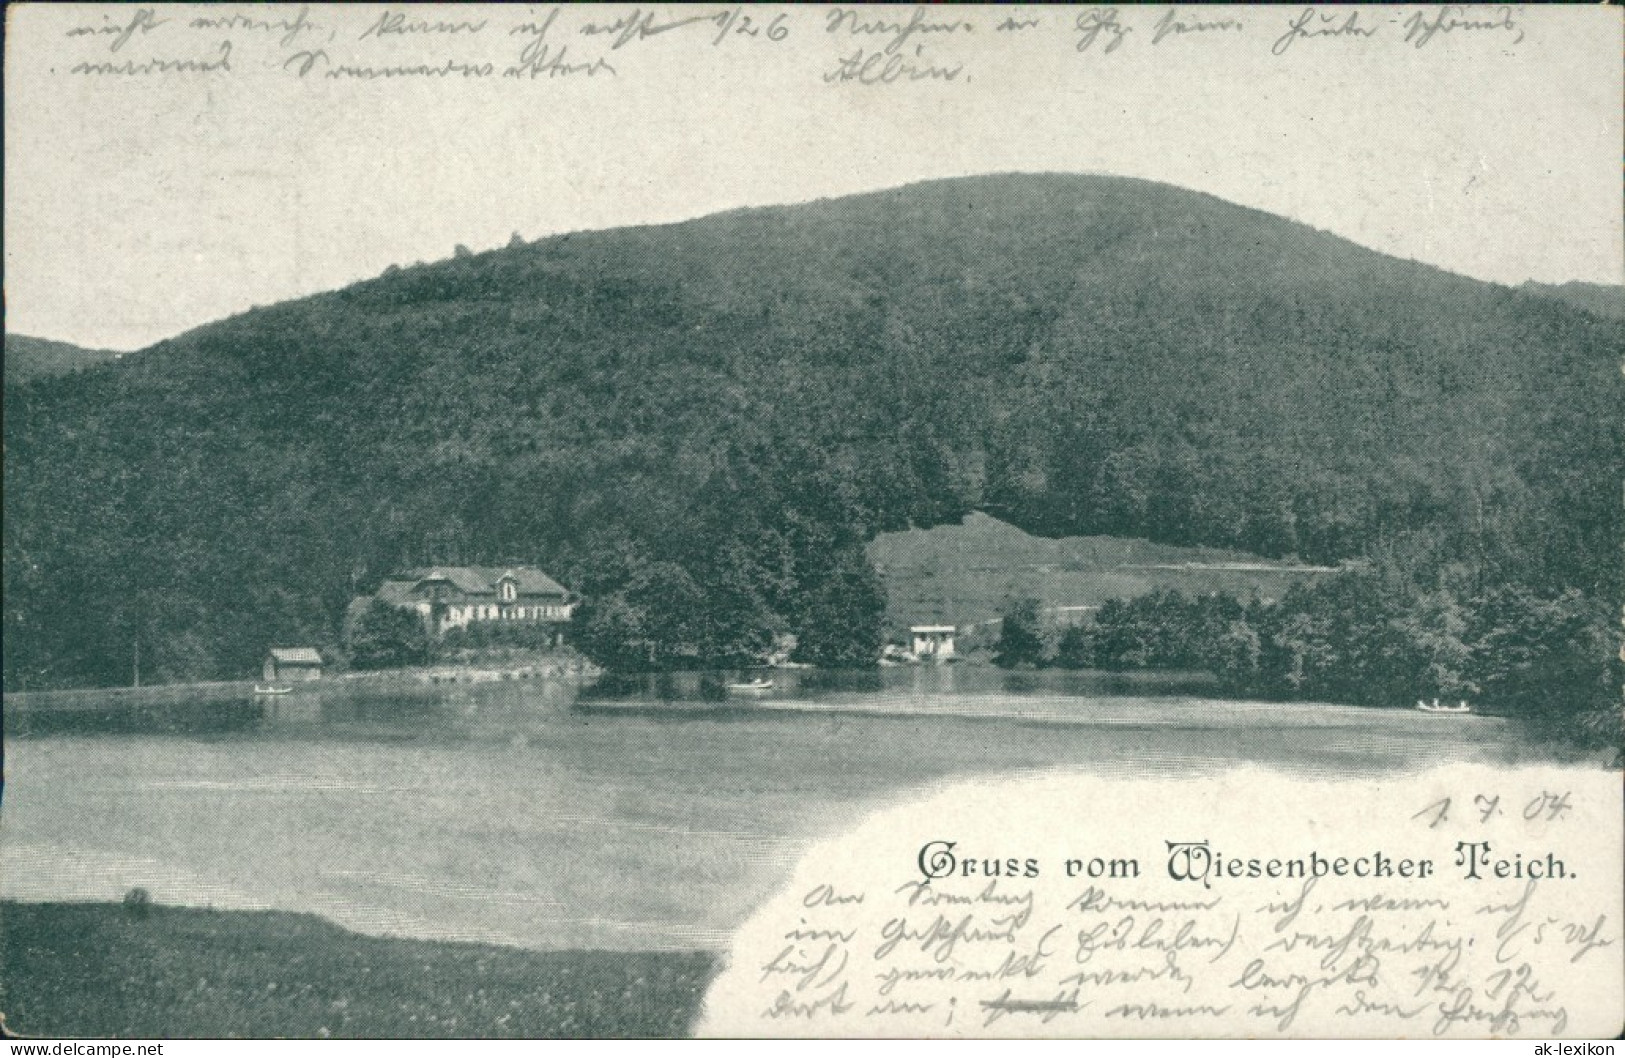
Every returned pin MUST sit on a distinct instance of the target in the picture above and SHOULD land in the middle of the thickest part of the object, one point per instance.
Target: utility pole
(138, 660)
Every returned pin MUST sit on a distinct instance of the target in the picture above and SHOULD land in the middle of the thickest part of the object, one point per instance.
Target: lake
(650, 813)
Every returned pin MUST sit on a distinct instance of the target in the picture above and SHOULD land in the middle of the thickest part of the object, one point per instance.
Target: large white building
(451, 597)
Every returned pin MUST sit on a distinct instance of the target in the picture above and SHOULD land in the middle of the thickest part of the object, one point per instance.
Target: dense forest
(697, 426)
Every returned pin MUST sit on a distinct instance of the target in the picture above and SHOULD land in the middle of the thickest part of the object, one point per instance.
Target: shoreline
(205, 691)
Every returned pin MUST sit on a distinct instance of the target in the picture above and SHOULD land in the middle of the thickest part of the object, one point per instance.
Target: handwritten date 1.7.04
(1547, 805)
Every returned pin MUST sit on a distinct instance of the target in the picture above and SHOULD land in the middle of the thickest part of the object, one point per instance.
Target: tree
(1543, 656)
(844, 623)
(614, 632)
(1020, 642)
(1076, 649)
(1234, 658)
(387, 637)
(663, 618)
(1124, 635)
(1435, 628)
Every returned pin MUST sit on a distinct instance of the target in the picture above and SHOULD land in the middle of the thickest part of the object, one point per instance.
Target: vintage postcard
(942, 521)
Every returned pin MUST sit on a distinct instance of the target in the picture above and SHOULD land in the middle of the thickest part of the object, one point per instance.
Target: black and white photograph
(883, 521)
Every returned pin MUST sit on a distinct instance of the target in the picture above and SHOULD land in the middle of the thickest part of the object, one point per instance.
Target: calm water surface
(631, 814)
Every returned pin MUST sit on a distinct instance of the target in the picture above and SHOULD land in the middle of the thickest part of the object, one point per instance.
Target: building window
(507, 591)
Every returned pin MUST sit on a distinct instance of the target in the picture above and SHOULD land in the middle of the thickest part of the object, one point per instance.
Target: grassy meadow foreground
(102, 970)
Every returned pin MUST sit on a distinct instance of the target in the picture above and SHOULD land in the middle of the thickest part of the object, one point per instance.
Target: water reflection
(525, 712)
(854, 680)
(290, 712)
(335, 708)
(190, 718)
(823, 684)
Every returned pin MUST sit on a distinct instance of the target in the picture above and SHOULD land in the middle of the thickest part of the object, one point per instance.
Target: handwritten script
(837, 47)
(1509, 927)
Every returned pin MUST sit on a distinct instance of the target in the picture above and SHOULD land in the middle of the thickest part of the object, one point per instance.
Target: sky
(161, 174)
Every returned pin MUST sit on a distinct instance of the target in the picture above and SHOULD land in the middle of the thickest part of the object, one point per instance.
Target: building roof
(397, 592)
(296, 655)
(474, 580)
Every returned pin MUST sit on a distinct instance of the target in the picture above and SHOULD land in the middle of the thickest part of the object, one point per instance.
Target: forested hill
(697, 425)
(1599, 298)
(28, 358)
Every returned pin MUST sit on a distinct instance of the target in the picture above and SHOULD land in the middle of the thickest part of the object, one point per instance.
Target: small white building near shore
(932, 642)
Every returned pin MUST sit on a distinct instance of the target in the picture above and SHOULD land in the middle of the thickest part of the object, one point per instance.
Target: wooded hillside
(698, 426)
